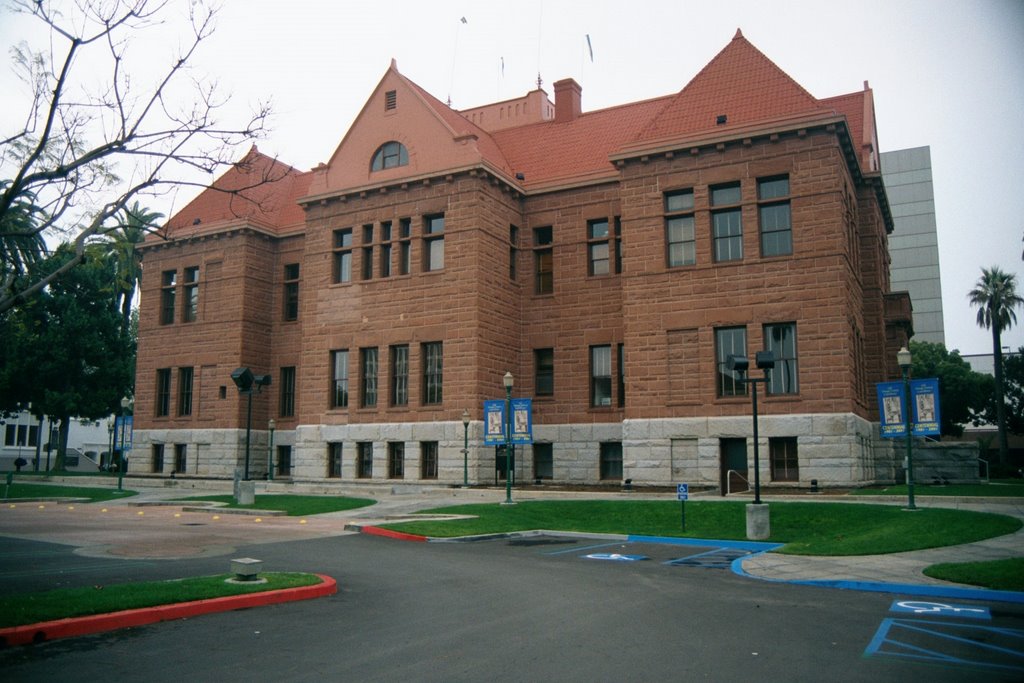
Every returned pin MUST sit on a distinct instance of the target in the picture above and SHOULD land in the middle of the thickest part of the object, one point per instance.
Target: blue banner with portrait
(924, 395)
(890, 408)
(924, 408)
(495, 422)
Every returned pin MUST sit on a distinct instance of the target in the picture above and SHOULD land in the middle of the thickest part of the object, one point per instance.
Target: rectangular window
(618, 245)
(367, 252)
(185, 391)
(364, 460)
(33, 435)
(727, 222)
(611, 460)
(433, 375)
(396, 460)
(291, 292)
(399, 371)
(368, 377)
(284, 461)
(334, 460)
(158, 458)
(343, 255)
(598, 251)
(544, 372)
(190, 313)
(773, 213)
(543, 463)
(180, 457)
(168, 288)
(433, 243)
(780, 339)
(600, 376)
(621, 374)
(286, 404)
(513, 251)
(163, 392)
(385, 249)
(339, 379)
(784, 462)
(404, 246)
(428, 460)
(680, 238)
(543, 260)
(10, 434)
(729, 341)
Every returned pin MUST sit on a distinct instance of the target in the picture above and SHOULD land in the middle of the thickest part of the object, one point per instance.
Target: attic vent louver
(721, 119)
(390, 100)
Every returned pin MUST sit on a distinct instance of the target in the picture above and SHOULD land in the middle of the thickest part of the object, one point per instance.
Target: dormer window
(390, 155)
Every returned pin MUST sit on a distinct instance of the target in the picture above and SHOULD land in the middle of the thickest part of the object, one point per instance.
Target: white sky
(947, 74)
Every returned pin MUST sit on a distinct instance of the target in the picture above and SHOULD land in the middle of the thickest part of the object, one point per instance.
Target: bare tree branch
(83, 155)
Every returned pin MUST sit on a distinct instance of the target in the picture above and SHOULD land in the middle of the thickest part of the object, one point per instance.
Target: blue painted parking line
(966, 645)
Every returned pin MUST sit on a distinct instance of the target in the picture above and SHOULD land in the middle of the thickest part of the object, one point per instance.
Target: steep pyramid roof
(742, 85)
(256, 189)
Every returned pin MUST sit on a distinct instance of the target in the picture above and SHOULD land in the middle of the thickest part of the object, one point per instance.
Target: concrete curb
(98, 623)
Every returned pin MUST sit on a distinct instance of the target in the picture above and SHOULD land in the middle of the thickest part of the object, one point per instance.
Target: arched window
(389, 155)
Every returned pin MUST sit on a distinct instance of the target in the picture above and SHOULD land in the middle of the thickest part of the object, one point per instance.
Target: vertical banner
(925, 398)
(924, 408)
(494, 423)
(890, 409)
(522, 420)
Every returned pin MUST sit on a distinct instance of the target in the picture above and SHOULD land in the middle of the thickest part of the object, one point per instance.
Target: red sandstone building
(611, 260)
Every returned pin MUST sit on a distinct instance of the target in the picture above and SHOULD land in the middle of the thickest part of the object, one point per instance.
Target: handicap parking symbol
(940, 609)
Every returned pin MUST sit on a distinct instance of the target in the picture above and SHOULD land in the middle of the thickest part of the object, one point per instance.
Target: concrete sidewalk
(396, 502)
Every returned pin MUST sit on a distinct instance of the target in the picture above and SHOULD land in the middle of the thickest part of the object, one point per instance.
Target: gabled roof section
(437, 139)
(257, 190)
(742, 85)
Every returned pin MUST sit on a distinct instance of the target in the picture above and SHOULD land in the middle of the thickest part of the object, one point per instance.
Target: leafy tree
(64, 351)
(1013, 393)
(95, 133)
(962, 392)
(995, 295)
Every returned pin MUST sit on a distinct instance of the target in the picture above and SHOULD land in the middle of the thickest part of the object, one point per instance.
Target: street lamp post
(465, 448)
(122, 462)
(903, 358)
(270, 451)
(110, 448)
(758, 521)
(507, 381)
(248, 383)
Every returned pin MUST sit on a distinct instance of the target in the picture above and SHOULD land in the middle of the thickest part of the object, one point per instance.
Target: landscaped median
(14, 608)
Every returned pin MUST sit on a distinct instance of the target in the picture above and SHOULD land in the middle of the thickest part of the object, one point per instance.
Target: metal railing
(728, 481)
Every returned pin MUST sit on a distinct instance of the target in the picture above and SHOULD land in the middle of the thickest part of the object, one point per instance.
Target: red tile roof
(257, 189)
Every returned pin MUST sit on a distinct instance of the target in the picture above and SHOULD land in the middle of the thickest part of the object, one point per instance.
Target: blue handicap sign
(683, 491)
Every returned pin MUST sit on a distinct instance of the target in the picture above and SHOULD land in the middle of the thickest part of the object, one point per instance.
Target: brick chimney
(567, 100)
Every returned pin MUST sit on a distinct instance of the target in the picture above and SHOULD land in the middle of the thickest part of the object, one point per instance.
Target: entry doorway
(733, 471)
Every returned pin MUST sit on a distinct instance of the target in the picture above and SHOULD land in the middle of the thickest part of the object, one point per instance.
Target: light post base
(508, 502)
(759, 526)
(246, 492)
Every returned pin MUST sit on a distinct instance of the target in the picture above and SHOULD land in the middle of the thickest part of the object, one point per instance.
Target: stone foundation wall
(833, 450)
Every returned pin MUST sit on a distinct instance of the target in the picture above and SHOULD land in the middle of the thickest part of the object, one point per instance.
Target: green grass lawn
(804, 528)
(293, 505)
(1007, 575)
(997, 488)
(94, 495)
(63, 603)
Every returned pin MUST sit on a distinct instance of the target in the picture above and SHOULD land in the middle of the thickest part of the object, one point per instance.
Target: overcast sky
(946, 74)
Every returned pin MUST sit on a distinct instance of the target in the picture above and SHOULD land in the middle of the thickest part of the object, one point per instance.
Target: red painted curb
(388, 533)
(97, 623)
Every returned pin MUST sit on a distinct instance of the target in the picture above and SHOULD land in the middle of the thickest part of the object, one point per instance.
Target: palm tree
(996, 296)
(135, 223)
(21, 241)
